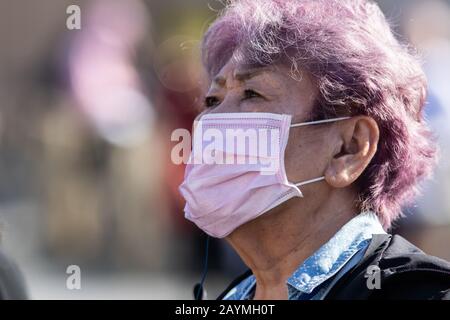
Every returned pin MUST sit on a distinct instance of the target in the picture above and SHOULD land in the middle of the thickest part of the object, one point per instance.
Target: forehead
(243, 75)
(279, 75)
(244, 71)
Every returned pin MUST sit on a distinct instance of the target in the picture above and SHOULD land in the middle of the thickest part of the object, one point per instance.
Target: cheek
(305, 157)
(257, 106)
(261, 105)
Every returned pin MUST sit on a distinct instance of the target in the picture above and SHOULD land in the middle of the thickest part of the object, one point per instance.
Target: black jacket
(405, 272)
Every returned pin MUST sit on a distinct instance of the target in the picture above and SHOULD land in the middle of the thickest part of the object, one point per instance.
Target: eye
(211, 101)
(250, 94)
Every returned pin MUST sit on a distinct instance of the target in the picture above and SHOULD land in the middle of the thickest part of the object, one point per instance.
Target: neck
(276, 244)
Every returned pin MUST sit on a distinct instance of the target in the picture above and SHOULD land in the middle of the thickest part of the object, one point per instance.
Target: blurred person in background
(12, 283)
(81, 161)
(347, 99)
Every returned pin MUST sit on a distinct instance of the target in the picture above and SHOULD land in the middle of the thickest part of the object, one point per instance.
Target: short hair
(361, 68)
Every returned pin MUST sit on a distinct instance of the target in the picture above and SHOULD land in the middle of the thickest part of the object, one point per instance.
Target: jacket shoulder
(404, 271)
(410, 273)
(401, 255)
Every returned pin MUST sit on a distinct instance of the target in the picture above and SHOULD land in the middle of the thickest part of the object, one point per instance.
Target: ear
(358, 139)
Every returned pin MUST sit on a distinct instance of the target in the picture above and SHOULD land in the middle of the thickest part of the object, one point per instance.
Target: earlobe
(360, 137)
(336, 174)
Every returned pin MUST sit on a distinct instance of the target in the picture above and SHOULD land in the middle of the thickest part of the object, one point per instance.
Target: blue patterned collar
(325, 262)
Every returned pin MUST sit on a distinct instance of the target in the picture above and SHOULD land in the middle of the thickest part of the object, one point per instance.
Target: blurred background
(86, 118)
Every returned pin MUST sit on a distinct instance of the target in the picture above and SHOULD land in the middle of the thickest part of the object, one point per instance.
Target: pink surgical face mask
(236, 169)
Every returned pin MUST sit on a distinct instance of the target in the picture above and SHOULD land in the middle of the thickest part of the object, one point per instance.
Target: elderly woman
(341, 102)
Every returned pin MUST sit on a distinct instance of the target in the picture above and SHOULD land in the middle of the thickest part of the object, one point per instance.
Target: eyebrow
(242, 75)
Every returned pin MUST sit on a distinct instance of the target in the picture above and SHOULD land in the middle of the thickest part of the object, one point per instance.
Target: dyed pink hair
(361, 69)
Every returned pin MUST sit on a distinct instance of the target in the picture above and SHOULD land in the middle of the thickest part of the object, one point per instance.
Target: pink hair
(361, 69)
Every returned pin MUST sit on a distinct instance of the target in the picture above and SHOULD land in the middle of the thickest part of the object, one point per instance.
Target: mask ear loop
(309, 181)
(318, 122)
(312, 123)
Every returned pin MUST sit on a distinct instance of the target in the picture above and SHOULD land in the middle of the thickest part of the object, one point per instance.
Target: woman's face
(239, 88)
